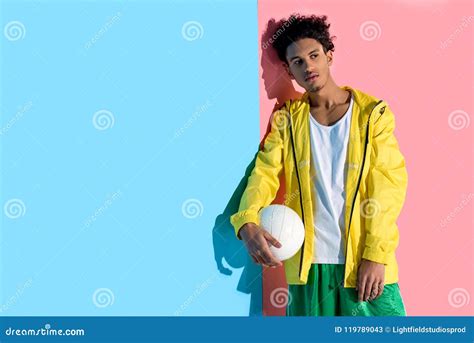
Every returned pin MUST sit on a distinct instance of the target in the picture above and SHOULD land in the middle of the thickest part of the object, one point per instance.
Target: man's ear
(288, 71)
(329, 57)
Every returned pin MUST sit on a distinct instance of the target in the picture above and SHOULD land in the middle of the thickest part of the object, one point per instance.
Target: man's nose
(309, 70)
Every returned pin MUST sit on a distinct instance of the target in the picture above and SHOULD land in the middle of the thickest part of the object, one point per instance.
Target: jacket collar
(361, 99)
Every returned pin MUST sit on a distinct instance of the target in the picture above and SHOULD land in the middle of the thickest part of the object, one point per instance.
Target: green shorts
(325, 295)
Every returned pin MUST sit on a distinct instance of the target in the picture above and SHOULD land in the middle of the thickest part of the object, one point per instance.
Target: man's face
(308, 64)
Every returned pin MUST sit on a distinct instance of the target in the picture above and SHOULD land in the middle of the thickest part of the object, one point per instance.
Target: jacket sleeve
(386, 187)
(263, 182)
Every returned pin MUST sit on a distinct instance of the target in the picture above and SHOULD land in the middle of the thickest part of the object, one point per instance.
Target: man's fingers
(260, 259)
(362, 289)
(269, 258)
(368, 289)
(374, 291)
(266, 253)
(272, 240)
(379, 290)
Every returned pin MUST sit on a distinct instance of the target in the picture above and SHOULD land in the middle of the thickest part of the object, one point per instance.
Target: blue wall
(126, 132)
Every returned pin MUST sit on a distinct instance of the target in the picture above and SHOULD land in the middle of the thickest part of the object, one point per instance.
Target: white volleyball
(286, 226)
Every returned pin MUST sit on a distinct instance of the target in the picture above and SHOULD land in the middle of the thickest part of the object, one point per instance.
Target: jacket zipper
(299, 188)
(358, 185)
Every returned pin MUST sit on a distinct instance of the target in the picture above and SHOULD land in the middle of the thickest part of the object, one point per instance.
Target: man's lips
(311, 77)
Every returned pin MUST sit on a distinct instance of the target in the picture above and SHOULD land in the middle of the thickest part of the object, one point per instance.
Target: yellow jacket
(375, 187)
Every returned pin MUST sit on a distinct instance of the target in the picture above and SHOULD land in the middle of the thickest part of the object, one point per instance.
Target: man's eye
(298, 62)
(314, 56)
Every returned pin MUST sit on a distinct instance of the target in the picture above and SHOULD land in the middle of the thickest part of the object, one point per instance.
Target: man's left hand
(370, 280)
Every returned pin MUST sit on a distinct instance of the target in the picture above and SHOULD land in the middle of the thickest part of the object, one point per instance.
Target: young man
(344, 175)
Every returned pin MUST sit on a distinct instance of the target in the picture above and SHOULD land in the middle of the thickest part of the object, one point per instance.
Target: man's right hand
(257, 241)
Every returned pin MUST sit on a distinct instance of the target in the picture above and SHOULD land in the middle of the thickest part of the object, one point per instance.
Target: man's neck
(326, 97)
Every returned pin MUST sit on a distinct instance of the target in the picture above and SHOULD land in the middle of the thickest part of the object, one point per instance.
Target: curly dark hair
(299, 26)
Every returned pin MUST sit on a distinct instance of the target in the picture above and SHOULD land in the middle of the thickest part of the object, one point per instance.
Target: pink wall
(416, 55)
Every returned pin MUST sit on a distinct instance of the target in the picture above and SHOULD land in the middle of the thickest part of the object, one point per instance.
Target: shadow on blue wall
(233, 251)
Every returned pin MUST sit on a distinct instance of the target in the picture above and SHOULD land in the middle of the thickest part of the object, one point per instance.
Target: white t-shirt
(328, 156)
